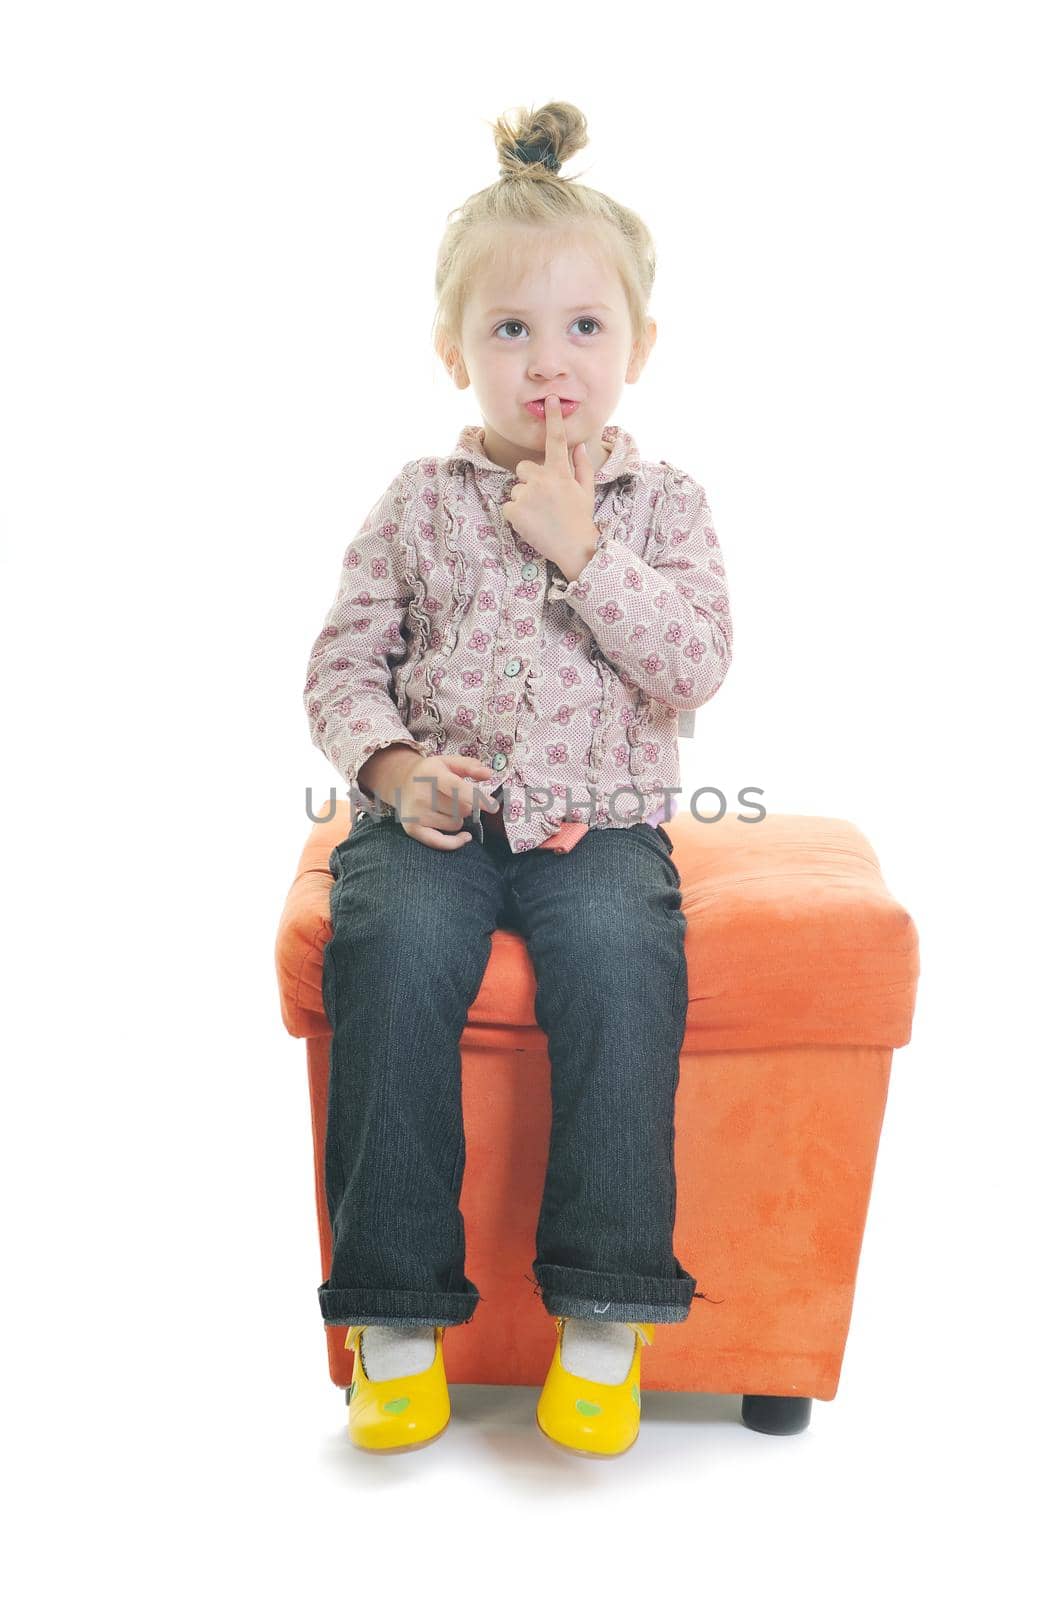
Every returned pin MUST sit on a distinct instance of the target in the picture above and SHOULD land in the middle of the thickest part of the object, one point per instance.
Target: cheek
(602, 364)
(497, 366)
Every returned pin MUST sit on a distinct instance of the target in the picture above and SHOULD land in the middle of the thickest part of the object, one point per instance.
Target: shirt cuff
(588, 578)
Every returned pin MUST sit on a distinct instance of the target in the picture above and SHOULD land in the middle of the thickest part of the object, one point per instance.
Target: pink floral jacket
(450, 632)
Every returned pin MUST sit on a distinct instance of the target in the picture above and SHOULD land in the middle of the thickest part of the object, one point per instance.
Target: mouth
(538, 407)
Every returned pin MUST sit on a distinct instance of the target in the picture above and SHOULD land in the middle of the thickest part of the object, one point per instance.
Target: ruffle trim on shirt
(416, 611)
(461, 596)
(634, 732)
(450, 490)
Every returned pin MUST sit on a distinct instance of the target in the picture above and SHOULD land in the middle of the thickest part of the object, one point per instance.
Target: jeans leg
(411, 939)
(606, 935)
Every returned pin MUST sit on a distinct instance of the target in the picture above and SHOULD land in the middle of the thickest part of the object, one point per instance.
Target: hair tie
(531, 152)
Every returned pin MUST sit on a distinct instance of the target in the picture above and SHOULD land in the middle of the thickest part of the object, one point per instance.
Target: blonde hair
(529, 211)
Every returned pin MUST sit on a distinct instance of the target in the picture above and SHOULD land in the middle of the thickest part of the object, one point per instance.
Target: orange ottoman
(802, 980)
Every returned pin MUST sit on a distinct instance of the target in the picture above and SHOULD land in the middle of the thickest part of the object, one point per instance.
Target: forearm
(650, 625)
(662, 618)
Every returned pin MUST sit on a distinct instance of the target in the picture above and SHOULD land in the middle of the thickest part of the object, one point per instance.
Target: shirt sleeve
(348, 692)
(665, 618)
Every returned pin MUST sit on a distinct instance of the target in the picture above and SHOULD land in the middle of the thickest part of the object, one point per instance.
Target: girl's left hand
(553, 504)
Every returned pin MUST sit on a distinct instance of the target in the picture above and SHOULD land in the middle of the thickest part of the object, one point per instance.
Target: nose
(546, 369)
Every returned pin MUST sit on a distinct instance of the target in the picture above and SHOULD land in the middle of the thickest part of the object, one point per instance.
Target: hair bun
(537, 142)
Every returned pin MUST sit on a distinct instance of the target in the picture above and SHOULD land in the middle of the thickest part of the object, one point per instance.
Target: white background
(220, 229)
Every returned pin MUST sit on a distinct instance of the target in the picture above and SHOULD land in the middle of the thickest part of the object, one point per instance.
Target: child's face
(560, 325)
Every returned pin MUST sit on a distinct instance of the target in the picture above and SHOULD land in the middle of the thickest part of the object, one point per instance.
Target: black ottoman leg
(776, 1413)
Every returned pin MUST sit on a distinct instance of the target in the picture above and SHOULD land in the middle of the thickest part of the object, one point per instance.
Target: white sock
(599, 1350)
(397, 1352)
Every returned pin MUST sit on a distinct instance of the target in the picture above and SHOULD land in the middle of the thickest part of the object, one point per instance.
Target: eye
(514, 323)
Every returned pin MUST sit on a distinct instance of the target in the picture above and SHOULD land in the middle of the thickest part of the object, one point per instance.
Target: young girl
(522, 629)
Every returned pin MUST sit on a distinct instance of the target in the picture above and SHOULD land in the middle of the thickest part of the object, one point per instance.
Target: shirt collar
(623, 459)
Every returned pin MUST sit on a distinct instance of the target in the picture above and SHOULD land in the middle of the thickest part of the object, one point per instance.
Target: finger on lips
(556, 432)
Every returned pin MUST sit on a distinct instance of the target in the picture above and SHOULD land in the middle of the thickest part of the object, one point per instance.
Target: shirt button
(498, 761)
(529, 570)
(512, 667)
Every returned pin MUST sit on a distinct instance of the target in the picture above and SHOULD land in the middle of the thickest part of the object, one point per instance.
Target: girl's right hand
(432, 811)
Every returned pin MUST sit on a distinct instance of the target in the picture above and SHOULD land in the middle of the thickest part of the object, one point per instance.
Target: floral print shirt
(451, 633)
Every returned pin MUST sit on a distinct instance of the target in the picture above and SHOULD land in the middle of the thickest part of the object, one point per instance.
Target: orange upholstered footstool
(802, 980)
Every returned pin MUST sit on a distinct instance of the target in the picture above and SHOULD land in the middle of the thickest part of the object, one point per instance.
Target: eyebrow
(498, 310)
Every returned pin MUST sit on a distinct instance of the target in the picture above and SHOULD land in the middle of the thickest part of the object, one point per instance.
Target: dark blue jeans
(411, 939)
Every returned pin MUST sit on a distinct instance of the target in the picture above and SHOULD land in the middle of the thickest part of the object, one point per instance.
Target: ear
(450, 355)
(640, 353)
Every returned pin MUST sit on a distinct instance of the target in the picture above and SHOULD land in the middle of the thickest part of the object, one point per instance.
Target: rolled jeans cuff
(614, 1297)
(395, 1308)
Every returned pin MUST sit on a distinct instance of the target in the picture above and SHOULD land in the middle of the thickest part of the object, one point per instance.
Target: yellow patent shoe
(396, 1413)
(591, 1418)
